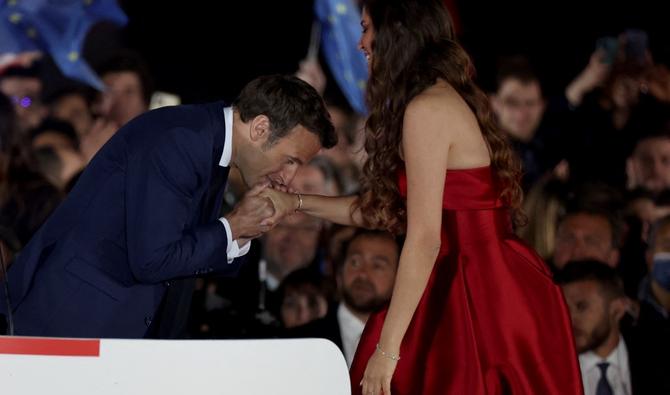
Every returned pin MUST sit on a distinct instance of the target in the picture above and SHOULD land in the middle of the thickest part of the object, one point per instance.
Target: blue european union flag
(340, 24)
(57, 27)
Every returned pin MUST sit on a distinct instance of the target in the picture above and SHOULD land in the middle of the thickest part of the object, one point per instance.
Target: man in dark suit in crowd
(143, 215)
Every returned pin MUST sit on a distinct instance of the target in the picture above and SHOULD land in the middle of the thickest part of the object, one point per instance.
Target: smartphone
(637, 42)
(610, 47)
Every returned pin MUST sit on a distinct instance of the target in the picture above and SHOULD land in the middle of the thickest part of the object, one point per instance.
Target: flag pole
(314, 41)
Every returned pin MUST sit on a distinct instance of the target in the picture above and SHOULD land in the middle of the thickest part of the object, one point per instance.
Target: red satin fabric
(491, 321)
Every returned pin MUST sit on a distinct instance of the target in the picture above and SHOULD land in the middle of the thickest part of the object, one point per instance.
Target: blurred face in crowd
(277, 161)
(339, 154)
(309, 180)
(74, 109)
(302, 305)
(519, 107)
(292, 244)
(123, 100)
(595, 316)
(25, 93)
(651, 163)
(585, 236)
(369, 273)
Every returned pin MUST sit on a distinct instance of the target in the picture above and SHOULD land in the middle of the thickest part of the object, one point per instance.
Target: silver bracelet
(386, 355)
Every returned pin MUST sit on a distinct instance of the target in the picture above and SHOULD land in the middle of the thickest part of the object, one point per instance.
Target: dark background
(206, 50)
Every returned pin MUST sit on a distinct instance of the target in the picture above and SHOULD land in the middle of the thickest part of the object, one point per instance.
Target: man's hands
(247, 220)
(261, 209)
(284, 203)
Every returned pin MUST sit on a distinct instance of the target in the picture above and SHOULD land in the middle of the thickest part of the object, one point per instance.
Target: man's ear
(259, 129)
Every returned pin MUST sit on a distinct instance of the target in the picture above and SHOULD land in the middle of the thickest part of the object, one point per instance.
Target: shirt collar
(348, 320)
(618, 358)
(228, 145)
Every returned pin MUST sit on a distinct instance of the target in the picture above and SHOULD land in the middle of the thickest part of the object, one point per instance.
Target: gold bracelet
(386, 355)
(299, 202)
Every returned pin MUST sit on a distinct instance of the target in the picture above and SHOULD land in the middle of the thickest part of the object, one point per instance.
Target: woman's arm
(334, 209)
(425, 147)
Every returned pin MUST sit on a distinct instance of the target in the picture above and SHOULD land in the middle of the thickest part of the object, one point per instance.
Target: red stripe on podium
(54, 347)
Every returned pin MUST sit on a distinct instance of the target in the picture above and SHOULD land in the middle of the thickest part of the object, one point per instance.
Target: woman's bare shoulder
(440, 103)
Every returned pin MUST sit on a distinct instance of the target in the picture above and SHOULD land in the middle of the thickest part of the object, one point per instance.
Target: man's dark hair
(307, 281)
(128, 61)
(84, 92)
(53, 125)
(34, 70)
(288, 102)
(616, 226)
(518, 68)
(592, 270)
(660, 129)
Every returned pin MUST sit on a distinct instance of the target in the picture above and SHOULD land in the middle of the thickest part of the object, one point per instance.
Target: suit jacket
(648, 341)
(140, 216)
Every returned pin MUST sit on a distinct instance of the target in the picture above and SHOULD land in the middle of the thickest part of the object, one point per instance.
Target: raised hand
(593, 76)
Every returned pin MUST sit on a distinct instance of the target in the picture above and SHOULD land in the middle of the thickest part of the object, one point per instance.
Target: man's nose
(288, 173)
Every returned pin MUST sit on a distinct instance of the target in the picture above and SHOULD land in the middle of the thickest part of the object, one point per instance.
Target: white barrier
(199, 367)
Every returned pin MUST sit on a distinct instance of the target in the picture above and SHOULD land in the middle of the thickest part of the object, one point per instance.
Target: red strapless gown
(490, 321)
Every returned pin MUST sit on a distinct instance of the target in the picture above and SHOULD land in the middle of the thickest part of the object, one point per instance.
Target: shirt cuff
(233, 249)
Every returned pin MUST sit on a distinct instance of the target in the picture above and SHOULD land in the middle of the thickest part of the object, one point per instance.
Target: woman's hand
(378, 374)
(284, 204)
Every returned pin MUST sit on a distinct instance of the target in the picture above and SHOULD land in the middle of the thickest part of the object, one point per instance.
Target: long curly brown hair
(414, 46)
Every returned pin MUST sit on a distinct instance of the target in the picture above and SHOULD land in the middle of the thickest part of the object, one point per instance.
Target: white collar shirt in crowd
(618, 372)
(351, 329)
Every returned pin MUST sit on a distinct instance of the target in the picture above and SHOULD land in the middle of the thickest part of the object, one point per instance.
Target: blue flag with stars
(341, 30)
(56, 27)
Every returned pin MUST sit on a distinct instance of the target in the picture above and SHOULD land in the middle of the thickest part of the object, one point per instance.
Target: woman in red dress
(474, 310)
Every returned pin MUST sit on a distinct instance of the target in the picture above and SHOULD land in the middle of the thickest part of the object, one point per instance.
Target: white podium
(202, 367)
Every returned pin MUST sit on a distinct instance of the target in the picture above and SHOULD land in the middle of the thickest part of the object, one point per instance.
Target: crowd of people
(596, 179)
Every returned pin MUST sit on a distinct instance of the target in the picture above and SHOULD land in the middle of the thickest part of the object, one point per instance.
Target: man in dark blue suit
(144, 213)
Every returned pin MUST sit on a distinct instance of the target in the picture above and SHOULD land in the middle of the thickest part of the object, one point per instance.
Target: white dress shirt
(618, 372)
(233, 250)
(351, 329)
